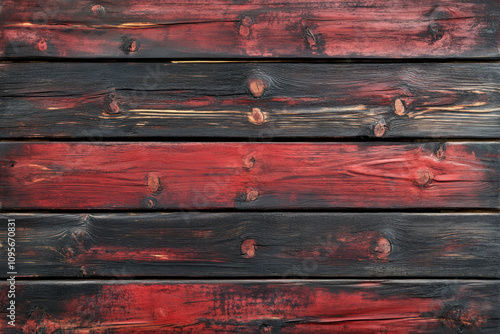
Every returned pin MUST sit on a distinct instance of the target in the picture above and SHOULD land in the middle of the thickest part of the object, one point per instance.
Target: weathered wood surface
(215, 29)
(248, 175)
(94, 101)
(284, 245)
(306, 306)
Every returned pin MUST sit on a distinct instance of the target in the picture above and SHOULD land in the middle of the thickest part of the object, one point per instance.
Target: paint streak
(346, 247)
(115, 253)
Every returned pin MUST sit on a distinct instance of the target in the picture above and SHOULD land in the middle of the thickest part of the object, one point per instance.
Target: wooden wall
(250, 166)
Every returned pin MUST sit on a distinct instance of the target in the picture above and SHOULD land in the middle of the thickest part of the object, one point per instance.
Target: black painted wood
(281, 245)
(95, 101)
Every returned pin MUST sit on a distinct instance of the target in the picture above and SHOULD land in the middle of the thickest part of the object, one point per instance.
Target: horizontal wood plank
(113, 175)
(284, 245)
(327, 306)
(215, 29)
(94, 101)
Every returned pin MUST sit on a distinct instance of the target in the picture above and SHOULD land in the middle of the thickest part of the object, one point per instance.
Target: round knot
(399, 107)
(424, 177)
(257, 86)
(248, 248)
(252, 195)
(256, 116)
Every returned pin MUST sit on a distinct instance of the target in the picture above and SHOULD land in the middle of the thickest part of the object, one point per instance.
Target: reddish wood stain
(347, 307)
(215, 175)
(225, 28)
(99, 253)
(364, 246)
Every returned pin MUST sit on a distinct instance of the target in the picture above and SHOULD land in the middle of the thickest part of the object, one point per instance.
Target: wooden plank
(327, 306)
(283, 245)
(224, 28)
(115, 175)
(115, 100)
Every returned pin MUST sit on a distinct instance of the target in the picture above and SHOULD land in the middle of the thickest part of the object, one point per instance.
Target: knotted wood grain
(111, 175)
(282, 245)
(95, 101)
(221, 29)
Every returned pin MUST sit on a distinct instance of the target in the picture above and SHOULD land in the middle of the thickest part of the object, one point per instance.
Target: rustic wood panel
(327, 306)
(95, 101)
(285, 245)
(214, 29)
(248, 175)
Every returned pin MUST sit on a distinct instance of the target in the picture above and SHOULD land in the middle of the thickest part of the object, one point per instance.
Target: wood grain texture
(248, 175)
(95, 101)
(283, 245)
(307, 306)
(224, 28)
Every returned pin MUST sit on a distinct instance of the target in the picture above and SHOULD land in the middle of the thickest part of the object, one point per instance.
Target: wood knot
(382, 248)
(313, 41)
(256, 116)
(151, 203)
(252, 195)
(257, 86)
(41, 45)
(98, 9)
(399, 107)
(249, 162)
(424, 178)
(379, 129)
(435, 31)
(112, 106)
(78, 236)
(154, 183)
(248, 248)
(247, 21)
(439, 154)
(245, 24)
(129, 45)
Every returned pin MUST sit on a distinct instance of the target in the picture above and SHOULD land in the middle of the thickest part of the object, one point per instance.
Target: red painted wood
(248, 175)
(411, 306)
(294, 28)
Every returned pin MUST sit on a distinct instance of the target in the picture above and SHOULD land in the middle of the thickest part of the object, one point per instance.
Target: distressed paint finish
(94, 101)
(306, 306)
(283, 245)
(124, 270)
(248, 175)
(218, 29)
